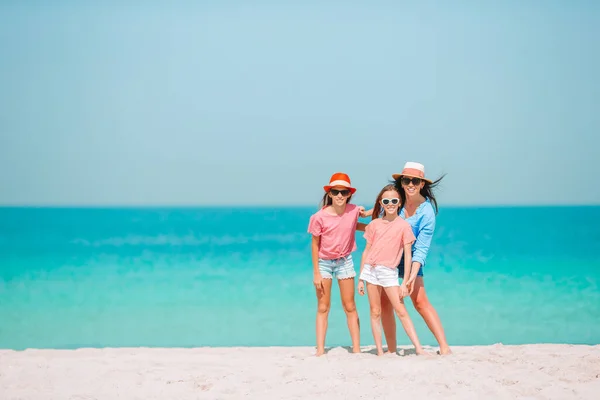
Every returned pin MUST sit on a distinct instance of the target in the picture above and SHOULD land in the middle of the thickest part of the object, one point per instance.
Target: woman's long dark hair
(426, 191)
(377, 206)
(327, 201)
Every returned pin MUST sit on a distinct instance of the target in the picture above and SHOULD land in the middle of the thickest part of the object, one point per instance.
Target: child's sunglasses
(394, 201)
(335, 192)
(406, 181)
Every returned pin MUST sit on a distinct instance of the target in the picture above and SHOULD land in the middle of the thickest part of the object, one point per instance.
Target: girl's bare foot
(320, 352)
(445, 351)
(421, 352)
(380, 353)
(356, 350)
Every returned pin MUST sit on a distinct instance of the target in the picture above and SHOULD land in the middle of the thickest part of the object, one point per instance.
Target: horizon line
(266, 205)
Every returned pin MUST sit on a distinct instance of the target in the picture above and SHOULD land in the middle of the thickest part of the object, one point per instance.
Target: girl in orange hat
(333, 230)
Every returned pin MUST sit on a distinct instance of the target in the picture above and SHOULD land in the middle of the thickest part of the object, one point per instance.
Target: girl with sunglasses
(333, 230)
(418, 207)
(388, 238)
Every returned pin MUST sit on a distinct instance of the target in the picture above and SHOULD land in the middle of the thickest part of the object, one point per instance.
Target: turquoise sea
(100, 277)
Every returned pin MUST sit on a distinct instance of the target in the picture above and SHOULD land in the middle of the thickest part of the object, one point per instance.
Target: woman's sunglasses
(394, 201)
(406, 181)
(335, 192)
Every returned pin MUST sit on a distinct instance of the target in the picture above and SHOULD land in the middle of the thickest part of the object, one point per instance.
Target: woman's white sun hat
(412, 169)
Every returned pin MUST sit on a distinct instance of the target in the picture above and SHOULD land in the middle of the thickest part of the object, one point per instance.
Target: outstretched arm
(366, 213)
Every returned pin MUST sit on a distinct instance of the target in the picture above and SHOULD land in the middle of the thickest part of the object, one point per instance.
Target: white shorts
(380, 275)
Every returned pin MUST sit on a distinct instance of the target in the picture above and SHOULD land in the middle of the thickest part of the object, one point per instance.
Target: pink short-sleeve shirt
(337, 232)
(387, 241)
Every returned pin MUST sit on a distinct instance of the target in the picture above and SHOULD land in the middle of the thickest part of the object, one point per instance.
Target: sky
(232, 103)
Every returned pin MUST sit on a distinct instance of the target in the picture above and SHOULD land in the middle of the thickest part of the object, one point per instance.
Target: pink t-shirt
(337, 232)
(387, 241)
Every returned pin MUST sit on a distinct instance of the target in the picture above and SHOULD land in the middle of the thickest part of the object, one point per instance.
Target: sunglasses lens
(407, 181)
(385, 202)
(394, 201)
(344, 192)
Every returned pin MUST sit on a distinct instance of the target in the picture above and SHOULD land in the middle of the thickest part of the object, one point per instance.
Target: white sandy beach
(492, 372)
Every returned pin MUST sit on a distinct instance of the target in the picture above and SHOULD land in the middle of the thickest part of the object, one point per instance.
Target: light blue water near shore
(243, 277)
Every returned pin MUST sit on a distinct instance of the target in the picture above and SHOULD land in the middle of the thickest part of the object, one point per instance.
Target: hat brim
(351, 189)
(397, 176)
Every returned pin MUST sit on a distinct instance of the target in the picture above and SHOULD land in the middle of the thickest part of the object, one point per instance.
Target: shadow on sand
(373, 351)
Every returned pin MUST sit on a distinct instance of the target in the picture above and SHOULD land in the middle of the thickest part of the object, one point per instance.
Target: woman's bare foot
(320, 352)
(445, 351)
(380, 353)
(356, 350)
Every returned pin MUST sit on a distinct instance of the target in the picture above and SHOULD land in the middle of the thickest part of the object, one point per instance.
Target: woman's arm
(423, 241)
(408, 264)
(407, 283)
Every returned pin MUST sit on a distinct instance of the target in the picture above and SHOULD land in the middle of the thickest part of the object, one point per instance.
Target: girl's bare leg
(424, 307)
(323, 304)
(393, 294)
(347, 294)
(388, 321)
(374, 293)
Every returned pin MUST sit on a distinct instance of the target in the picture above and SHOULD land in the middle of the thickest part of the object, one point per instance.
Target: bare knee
(375, 312)
(349, 307)
(421, 305)
(402, 313)
(323, 308)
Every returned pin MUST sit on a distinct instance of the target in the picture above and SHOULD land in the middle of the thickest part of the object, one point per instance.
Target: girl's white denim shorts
(342, 268)
(380, 275)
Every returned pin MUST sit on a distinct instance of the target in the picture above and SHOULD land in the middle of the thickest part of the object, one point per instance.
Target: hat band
(413, 172)
(339, 183)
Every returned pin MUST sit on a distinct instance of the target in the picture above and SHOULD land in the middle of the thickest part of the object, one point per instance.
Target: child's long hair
(377, 206)
(327, 201)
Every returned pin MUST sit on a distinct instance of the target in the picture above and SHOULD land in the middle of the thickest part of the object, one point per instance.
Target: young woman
(419, 208)
(333, 230)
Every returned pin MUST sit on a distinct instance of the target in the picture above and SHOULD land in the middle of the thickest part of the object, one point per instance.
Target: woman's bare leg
(388, 321)
(393, 294)
(347, 294)
(430, 316)
(374, 293)
(323, 304)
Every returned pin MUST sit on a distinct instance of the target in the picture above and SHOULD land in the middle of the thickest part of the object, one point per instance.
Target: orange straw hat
(412, 169)
(339, 179)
